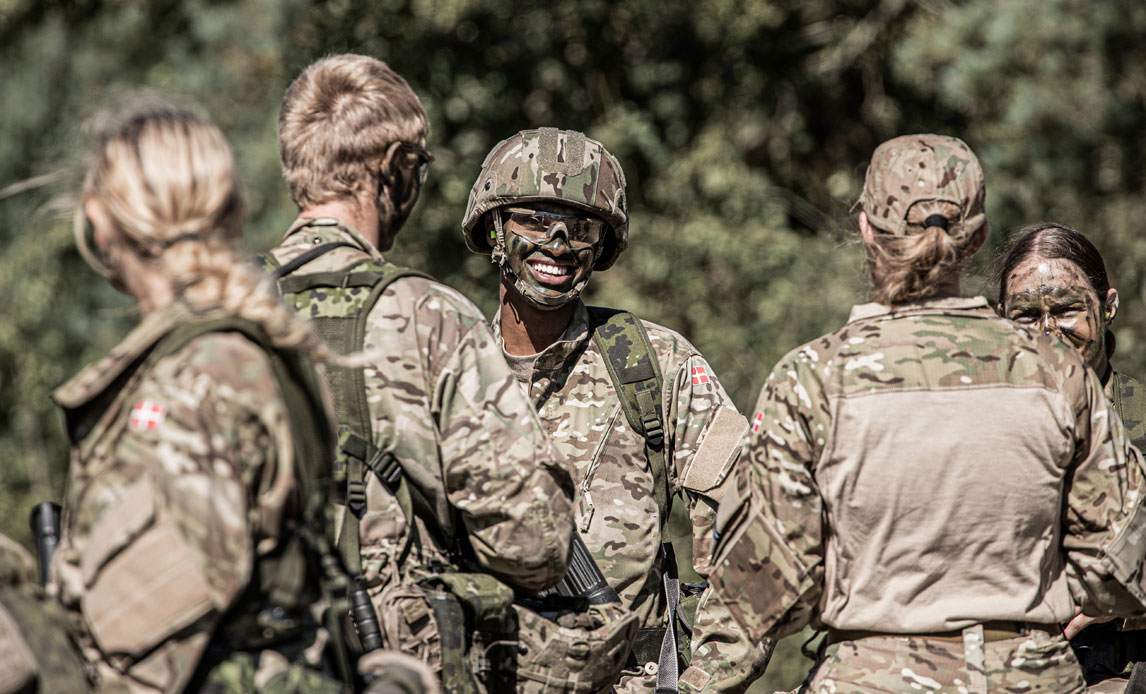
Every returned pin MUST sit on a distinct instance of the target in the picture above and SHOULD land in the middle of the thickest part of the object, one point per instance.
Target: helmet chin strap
(542, 301)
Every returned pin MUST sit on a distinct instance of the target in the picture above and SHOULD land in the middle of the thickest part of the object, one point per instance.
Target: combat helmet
(551, 165)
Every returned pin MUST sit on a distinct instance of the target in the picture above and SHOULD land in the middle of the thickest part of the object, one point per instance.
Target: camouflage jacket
(616, 507)
(179, 486)
(442, 401)
(939, 457)
(1129, 398)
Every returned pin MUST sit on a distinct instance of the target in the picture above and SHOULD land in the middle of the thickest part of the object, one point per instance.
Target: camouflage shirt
(443, 402)
(938, 457)
(179, 483)
(616, 508)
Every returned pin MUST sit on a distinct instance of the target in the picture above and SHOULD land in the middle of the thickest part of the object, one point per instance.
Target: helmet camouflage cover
(551, 165)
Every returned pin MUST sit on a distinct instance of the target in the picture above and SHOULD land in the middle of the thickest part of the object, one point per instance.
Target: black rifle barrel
(45, 522)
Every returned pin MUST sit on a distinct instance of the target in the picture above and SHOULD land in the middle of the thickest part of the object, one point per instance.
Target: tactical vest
(468, 607)
(273, 611)
(636, 375)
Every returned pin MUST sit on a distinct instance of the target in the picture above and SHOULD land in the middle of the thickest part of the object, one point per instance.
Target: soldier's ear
(1110, 306)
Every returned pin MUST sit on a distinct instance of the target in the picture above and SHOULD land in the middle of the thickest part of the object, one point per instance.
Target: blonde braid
(167, 179)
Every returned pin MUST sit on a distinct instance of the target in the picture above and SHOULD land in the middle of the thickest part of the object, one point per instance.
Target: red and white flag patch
(757, 421)
(147, 415)
(699, 375)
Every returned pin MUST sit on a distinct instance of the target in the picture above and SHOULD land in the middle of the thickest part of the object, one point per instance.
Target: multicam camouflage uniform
(1107, 649)
(36, 655)
(939, 487)
(182, 488)
(617, 512)
(443, 402)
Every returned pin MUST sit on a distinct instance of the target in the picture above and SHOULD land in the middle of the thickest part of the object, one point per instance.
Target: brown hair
(167, 181)
(335, 125)
(915, 266)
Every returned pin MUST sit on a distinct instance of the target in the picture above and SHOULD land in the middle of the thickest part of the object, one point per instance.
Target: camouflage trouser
(1038, 662)
(266, 673)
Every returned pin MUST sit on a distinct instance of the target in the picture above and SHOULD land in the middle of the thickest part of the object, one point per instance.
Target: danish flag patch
(757, 421)
(147, 415)
(699, 375)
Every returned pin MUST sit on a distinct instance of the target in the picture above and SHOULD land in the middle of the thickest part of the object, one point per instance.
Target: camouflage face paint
(1056, 297)
(549, 274)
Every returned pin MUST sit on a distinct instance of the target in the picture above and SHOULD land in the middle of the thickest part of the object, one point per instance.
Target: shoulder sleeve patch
(716, 451)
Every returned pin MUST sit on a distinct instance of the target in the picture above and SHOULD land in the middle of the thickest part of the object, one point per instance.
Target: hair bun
(936, 220)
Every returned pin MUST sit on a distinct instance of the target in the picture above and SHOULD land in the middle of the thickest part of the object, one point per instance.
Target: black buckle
(356, 497)
(654, 431)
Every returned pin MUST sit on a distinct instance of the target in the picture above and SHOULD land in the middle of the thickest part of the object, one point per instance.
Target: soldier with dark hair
(1054, 279)
(938, 487)
(635, 408)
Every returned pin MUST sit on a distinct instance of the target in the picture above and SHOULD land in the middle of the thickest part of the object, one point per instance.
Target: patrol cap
(918, 168)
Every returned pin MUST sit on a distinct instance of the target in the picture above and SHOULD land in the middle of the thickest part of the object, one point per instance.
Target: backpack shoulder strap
(338, 304)
(636, 375)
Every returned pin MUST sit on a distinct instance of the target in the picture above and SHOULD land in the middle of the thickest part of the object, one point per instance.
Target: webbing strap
(1137, 683)
(668, 670)
(357, 455)
(636, 376)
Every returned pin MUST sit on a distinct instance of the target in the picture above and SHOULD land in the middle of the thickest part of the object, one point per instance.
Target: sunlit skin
(1056, 297)
(551, 269)
(131, 274)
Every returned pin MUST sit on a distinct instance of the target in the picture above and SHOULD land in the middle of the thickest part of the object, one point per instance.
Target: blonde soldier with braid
(450, 488)
(635, 408)
(938, 487)
(192, 550)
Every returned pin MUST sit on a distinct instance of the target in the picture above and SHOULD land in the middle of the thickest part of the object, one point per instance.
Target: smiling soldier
(634, 407)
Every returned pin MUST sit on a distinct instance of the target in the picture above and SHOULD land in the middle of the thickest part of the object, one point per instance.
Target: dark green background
(744, 127)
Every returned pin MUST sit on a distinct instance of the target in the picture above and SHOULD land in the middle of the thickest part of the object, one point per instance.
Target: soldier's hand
(1080, 622)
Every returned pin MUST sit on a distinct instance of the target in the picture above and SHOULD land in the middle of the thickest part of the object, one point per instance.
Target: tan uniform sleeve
(768, 566)
(163, 564)
(705, 431)
(1104, 533)
(500, 468)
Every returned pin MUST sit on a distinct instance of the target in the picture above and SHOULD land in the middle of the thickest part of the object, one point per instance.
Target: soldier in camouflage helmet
(937, 487)
(192, 547)
(447, 470)
(549, 206)
(1054, 279)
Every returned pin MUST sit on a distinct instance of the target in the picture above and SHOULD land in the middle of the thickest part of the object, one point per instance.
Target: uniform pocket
(408, 623)
(143, 581)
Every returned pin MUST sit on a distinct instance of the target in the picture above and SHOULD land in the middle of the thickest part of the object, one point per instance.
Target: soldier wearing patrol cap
(937, 487)
(637, 411)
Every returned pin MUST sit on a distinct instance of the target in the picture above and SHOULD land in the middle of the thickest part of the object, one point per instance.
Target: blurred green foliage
(744, 127)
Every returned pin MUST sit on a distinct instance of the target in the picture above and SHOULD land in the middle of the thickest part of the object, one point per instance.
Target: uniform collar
(874, 310)
(553, 357)
(346, 231)
(93, 380)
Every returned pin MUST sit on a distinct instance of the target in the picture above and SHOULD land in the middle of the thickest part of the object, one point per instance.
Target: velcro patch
(716, 452)
(695, 678)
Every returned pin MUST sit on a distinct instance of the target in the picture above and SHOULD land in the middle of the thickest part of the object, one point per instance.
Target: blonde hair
(903, 269)
(336, 123)
(166, 179)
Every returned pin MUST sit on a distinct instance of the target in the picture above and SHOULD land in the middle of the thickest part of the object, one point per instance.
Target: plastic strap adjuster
(356, 496)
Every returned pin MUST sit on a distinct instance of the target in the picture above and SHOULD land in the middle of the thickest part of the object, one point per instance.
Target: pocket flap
(129, 517)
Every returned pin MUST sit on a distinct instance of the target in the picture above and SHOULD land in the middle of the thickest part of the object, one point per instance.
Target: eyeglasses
(539, 227)
(425, 158)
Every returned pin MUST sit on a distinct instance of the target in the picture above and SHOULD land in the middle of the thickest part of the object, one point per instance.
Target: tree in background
(744, 127)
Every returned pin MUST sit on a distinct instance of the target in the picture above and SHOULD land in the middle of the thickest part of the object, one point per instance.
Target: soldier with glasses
(635, 409)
